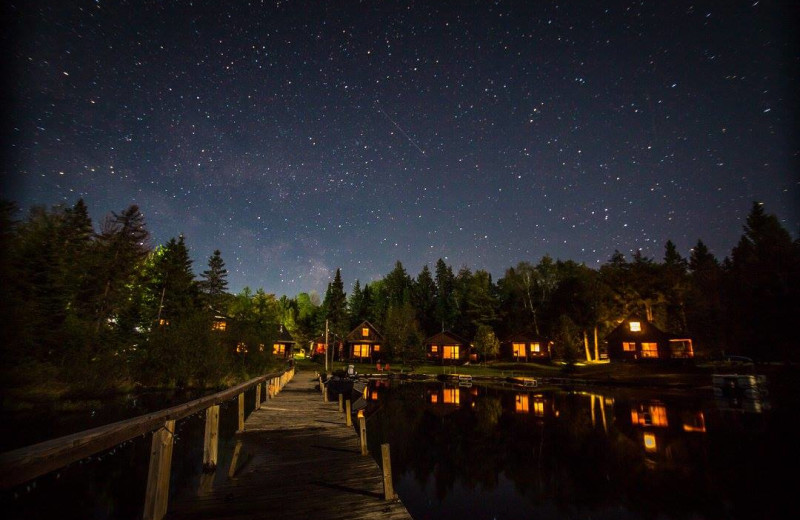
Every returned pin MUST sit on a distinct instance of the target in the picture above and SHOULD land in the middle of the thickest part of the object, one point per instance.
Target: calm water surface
(505, 452)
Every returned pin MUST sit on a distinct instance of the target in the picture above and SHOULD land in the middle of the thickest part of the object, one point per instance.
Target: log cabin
(637, 339)
(364, 343)
(447, 348)
(525, 347)
(283, 346)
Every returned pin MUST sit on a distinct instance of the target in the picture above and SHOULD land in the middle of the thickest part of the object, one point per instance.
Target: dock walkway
(300, 461)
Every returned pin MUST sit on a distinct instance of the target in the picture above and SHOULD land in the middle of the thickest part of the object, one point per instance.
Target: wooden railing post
(341, 403)
(388, 489)
(155, 499)
(258, 396)
(362, 427)
(348, 418)
(241, 413)
(211, 442)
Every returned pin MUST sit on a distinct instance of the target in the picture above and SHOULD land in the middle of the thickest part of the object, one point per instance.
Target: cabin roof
(284, 336)
(445, 337)
(525, 337)
(622, 332)
(356, 337)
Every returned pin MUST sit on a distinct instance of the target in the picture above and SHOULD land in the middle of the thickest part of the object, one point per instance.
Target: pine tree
(423, 299)
(214, 280)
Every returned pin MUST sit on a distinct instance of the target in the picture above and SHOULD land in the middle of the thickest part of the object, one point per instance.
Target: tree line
(97, 307)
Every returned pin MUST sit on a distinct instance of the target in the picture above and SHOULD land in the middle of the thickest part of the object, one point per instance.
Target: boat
(526, 382)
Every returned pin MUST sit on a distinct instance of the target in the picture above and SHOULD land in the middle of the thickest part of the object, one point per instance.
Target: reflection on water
(514, 452)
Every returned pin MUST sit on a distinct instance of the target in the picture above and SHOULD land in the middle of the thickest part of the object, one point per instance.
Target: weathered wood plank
(297, 460)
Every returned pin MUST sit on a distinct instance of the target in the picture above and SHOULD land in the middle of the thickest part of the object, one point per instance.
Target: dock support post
(155, 499)
(362, 428)
(258, 396)
(241, 413)
(211, 442)
(341, 403)
(388, 489)
(348, 418)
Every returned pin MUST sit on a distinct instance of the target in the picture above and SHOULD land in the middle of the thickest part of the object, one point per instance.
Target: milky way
(298, 137)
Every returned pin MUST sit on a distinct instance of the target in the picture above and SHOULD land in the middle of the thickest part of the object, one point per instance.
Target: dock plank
(298, 460)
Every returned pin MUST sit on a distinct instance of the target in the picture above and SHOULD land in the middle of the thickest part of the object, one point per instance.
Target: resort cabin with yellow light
(525, 347)
(364, 343)
(446, 347)
(637, 339)
(284, 345)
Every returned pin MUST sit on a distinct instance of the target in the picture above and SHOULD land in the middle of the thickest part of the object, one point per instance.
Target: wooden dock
(297, 459)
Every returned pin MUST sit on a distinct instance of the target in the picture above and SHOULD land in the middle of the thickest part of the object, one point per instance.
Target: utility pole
(326, 346)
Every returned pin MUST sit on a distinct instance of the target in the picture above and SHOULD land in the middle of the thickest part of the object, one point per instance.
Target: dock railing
(24, 464)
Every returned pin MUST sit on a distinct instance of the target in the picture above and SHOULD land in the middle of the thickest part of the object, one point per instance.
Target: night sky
(298, 137)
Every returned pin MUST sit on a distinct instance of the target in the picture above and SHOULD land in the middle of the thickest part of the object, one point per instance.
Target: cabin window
(636, 326)
(538, 408)
(365, 332)
(434, 349)
(376, 348)
(650, 350)
(373, 396)
(219, 325)
(519, 349)
(279, 349)
(452, 396)
(434, 398)
(450, 352)
(522, 404)
(361, 351)
(536, 347)
(655, 415)
(649, 442)
(629, 346)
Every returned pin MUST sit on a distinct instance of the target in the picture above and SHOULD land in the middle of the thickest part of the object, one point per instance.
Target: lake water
(504, 452)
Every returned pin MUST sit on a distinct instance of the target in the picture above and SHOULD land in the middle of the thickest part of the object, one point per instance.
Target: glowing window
(650, 350)
(635, 326)
(434, 349)
(163, 322)
(649, 442)
(278, 349)
(376, 348)
(535, 347)
(219, 325)
(452, 396)
(450, 351)
(521, 404)
(365, 332)
(374, 395)
(361, 351)
(434, 398)
(518, 349)
(629, 346)
(659, 416)
(538, 408)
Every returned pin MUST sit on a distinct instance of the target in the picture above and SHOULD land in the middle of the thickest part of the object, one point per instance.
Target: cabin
(637, 339)
(364, 343)
(283, 346)
(446, 347)
(318, 346)
(525, 347)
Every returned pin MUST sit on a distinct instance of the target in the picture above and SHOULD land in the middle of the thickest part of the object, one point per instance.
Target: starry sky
(302, 136)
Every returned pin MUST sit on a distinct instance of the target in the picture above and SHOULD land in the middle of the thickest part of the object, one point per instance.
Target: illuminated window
(659, 416)
(650, 350)
(361, 351)
(635, 326)
(452, 396)
(434, 398)
(649, 442)
(365, 332)
(521, 404)
(376, 348)
(519, 349)
(655, 415)
(450, 351)
(374, 395)
(434, 349)
(279, 349)
(163, 322)
(219, 325)
(535, 347)
(629, 346)
(538, 407)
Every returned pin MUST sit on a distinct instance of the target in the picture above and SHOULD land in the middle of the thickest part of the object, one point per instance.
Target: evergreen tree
(446, 307)
(214, 281)
(423, 299)
(335, 308)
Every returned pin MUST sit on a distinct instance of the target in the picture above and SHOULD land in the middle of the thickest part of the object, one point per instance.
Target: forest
(96, 309)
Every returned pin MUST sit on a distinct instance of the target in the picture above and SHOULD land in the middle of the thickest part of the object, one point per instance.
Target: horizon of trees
(104, 305)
